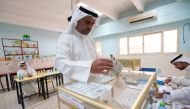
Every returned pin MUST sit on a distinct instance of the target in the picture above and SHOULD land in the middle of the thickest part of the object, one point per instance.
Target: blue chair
(152, 70)
(148, 69)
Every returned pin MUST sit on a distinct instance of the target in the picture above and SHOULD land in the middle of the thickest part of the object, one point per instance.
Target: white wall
(170, 16)
(46, 39)
(160, 61)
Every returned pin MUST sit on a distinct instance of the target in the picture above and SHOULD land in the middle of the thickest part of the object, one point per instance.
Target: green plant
(26, 36)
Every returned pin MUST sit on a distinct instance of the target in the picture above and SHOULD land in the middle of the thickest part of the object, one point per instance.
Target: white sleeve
(30, 70)
(77, 70)
(181, 81)
(34, 71)
(182, 94)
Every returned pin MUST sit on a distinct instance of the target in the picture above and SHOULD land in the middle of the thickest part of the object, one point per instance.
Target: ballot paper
(139, 86)
(92, 89)
(117, 66)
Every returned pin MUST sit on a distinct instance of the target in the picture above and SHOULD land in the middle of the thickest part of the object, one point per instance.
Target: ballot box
(130, 90)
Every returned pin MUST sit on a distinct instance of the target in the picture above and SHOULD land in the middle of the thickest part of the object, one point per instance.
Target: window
(170, 41)
(99, 48)
(136, 44)
(152, 43)
(160, 42)
(123, 46)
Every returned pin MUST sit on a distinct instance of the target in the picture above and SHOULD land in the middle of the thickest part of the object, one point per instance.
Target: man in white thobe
(76, 54)
(181, 62)
(182, 95)
(26, 70)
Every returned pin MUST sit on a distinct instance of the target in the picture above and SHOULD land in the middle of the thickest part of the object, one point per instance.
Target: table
(19, 87)
(10, 76)
(45, 68)
(41, 77)
(59, 78)
(7, 80)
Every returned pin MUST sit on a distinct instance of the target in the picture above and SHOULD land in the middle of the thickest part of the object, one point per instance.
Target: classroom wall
(159, 61)
(170, 16)
(46, 39)
(110, 45)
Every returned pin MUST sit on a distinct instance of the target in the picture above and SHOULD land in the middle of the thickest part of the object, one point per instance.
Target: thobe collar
(187, 69)
(187, 72)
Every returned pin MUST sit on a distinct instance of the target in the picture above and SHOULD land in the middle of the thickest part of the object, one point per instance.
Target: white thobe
(182, 95)
(28, 86)
(183, 81)
(74, 56)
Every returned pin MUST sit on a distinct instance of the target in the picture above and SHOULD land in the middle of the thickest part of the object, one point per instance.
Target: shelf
(29, 41)
(29, 47)
(24, 47)
(30, 54)
(13, 54)
(13, 46)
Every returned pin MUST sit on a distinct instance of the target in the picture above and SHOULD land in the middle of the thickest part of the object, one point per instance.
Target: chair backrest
(148, 69)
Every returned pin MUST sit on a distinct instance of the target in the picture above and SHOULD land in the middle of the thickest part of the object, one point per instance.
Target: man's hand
(158, 94)
(168, 80)
(101, 65)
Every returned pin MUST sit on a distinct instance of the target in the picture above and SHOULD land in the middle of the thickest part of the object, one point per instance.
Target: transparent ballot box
(127, 91)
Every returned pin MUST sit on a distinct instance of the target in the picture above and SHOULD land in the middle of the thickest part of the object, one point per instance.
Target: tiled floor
(8, 100)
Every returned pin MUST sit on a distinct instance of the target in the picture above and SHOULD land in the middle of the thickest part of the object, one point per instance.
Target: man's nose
(91, 25)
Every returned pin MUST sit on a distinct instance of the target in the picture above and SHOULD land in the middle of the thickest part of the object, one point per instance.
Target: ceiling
(53, 14)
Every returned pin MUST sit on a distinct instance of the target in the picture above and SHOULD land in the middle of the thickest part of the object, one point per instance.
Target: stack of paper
(92, 90)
